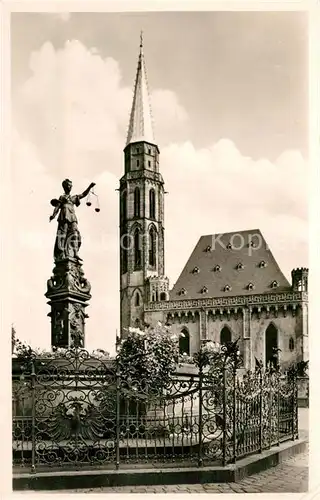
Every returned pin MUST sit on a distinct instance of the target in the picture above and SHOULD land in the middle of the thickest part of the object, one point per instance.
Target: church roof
(229, 264)
(141, 125)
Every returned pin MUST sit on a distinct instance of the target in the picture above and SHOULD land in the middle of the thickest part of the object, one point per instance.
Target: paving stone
(290, 476)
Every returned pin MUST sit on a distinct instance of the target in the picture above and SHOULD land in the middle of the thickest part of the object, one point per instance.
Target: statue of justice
(68, 238)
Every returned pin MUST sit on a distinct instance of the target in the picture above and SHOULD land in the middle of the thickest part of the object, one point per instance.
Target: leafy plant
(24, 352)
(212, 355)
(146, 358)
(298, 369)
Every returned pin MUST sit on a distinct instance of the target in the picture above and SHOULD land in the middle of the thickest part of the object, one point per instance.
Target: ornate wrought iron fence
(80, 411)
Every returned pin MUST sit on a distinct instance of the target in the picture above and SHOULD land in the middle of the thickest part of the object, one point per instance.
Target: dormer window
(204, 289)
(217, 268)
(208, 248)
(262, 264)
(250, 286)
(274, 284)
(229, 246)
(196, 270)
(240, 265)
(227, 288)
(183, 291)
(252, 244)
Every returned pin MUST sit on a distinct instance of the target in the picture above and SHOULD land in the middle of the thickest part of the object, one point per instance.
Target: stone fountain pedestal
(68, 292)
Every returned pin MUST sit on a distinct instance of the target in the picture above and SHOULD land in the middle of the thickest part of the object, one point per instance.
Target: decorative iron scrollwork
(80, 410)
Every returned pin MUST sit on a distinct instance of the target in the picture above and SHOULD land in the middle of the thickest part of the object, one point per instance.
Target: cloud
(169, 114)
(231, 192)
(70, 119)
(76, 109)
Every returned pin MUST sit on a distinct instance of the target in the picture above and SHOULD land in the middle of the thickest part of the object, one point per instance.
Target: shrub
(146, 358)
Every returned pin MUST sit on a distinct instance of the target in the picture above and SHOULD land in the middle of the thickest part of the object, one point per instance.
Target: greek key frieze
(273, 298)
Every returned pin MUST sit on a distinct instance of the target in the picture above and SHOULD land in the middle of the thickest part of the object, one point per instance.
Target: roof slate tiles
(243, 257)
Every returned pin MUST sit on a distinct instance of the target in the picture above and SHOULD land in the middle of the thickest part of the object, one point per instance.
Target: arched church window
(184, 342)
(137, 202)
(137, 251)
(137, 299)
(124, 253)
(124, 206)
(152, 204)
(152, 247)
(225, 335)
(271, 344)
(291, 344)
(163, 296)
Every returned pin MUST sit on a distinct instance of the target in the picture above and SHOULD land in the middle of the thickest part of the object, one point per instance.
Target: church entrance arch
(225, 335)
(271, 344)
(184, 342)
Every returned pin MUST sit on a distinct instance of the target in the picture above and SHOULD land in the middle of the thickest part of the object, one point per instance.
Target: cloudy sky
(229, 99)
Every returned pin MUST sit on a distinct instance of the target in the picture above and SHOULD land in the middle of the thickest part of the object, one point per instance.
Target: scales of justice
(68, 290)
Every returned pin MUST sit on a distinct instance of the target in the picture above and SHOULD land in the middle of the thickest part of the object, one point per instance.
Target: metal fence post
(33, 419)
(270, 404)
(224, 418)
(260, 411)
(118, 382)
(200, 458)
(278, 410)
(234, 415)
(295, 408)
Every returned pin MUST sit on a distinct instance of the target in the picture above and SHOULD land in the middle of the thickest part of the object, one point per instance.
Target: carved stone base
(68, 292)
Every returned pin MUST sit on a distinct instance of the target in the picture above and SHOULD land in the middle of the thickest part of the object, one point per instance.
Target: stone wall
(288, 326)
(303, 392)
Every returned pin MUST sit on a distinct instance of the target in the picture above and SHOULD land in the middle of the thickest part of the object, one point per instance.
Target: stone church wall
(125, 311)
(177, 326)
(153, 317)
(214, 328)
(193, 328)
(289, 326)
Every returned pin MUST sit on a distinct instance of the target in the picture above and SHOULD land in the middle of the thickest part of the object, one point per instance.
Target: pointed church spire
(140, 125)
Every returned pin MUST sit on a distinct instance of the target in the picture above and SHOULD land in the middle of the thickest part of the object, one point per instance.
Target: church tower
(141, 212)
